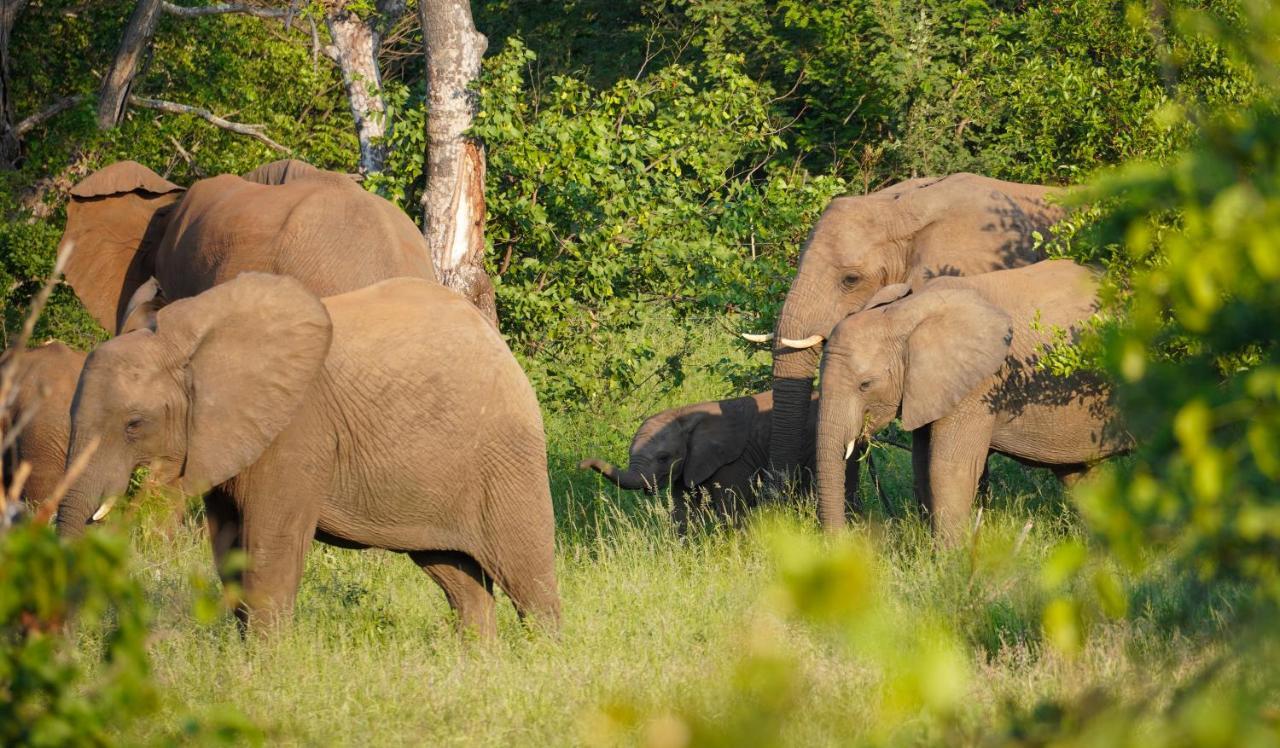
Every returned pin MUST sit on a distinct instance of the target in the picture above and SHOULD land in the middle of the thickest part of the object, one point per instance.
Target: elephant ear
(281, 172)
(140, 312)
(253, 347)
(957, 340)
(717, 438)
(888, 295)
(115, 218)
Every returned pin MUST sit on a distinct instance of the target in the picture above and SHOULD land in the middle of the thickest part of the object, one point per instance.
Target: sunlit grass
(653, 622)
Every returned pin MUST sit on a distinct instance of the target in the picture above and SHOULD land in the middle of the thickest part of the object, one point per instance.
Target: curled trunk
(630, 479)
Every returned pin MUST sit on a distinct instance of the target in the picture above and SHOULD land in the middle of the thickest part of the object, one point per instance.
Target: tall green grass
(653, 622)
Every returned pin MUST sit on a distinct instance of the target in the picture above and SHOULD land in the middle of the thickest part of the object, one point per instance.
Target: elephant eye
(133, 426)
(866, 384)
(850, 280)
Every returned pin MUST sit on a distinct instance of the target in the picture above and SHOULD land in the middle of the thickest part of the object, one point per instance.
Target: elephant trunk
(838, 421)
(793, 370)
(630, 479)
(77, 507)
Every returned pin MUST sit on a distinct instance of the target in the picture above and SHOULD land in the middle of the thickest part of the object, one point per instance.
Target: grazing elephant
(347, 421)
(715, 449)
(45, 382)
(962, 224)
(960, 360)
(125, 224)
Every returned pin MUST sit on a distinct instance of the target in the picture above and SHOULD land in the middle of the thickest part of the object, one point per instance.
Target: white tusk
(808, 342)
(758, 337)
(105, 509)
(848, 448)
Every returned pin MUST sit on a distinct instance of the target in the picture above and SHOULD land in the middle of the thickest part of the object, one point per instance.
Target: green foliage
(48, 695)
(1193, 340)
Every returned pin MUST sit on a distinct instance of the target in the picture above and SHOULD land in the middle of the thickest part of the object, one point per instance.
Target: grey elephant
(347, 421)
(961, 224)
(127, 224)
(44, 383)
(713, 450)
(959, 360)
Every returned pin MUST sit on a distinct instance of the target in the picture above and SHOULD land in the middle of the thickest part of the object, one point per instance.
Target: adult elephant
(345, 420)
(960, 360)
(961, 224)
(127, 224)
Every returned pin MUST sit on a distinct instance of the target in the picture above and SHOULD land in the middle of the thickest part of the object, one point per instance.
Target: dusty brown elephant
(713, 450)
(346, 421)
(961, 224)
(45, 382)
(960, 360)
(125, 224)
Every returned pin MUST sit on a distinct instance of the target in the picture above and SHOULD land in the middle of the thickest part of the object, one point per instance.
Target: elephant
(960, 360)
(962, 224)
(343, 420)
(714, 448)
(127, 224)
(44, 383)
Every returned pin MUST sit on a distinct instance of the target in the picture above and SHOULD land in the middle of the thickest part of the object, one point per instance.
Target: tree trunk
(9, 137)
(453, 202)
(355, 50)
(119, 79)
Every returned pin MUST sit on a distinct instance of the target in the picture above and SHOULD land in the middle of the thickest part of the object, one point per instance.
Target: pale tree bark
(114, 95)
(9, 138)
(355, 50)
(453, 201)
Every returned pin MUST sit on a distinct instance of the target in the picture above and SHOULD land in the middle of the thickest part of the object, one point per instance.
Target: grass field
(656, 627)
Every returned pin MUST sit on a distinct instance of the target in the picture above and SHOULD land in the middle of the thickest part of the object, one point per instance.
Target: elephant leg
(522, 556)
(223, 520)
(467, 588)
(920, 445)
(957, 455)
(275, 535)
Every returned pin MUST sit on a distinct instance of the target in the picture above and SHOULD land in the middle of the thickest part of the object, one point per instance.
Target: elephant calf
(45, 382)
(714, 449)
(348, 421)
(960, 361)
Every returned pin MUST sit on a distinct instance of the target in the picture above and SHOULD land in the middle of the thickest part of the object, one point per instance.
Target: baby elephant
(390, 417)
(960, 360)
(714, 449)
(44, 382)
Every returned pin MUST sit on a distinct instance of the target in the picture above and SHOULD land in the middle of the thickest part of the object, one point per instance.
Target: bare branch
(49, 112)
(258, 11)
(171, 107)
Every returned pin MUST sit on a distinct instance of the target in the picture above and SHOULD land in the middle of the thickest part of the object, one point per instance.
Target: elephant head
(957, 225)
(115, 219)
(199, 398)
(682, 446)
(921, 355)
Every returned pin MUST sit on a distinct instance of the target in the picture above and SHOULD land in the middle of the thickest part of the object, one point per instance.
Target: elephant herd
(284, 350)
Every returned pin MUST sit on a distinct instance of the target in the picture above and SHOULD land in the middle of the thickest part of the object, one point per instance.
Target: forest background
(653, 168)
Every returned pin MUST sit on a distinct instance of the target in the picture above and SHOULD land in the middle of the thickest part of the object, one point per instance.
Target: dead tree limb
(114, 94)
(355, 47)
(39, 118)
(453, 201)
(181, 11)
(10, 145)
(170, 107)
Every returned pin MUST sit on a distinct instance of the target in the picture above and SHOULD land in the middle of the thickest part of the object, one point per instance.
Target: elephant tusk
(848, 448)
(105, 509)
(757, 337)
(808, 342)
